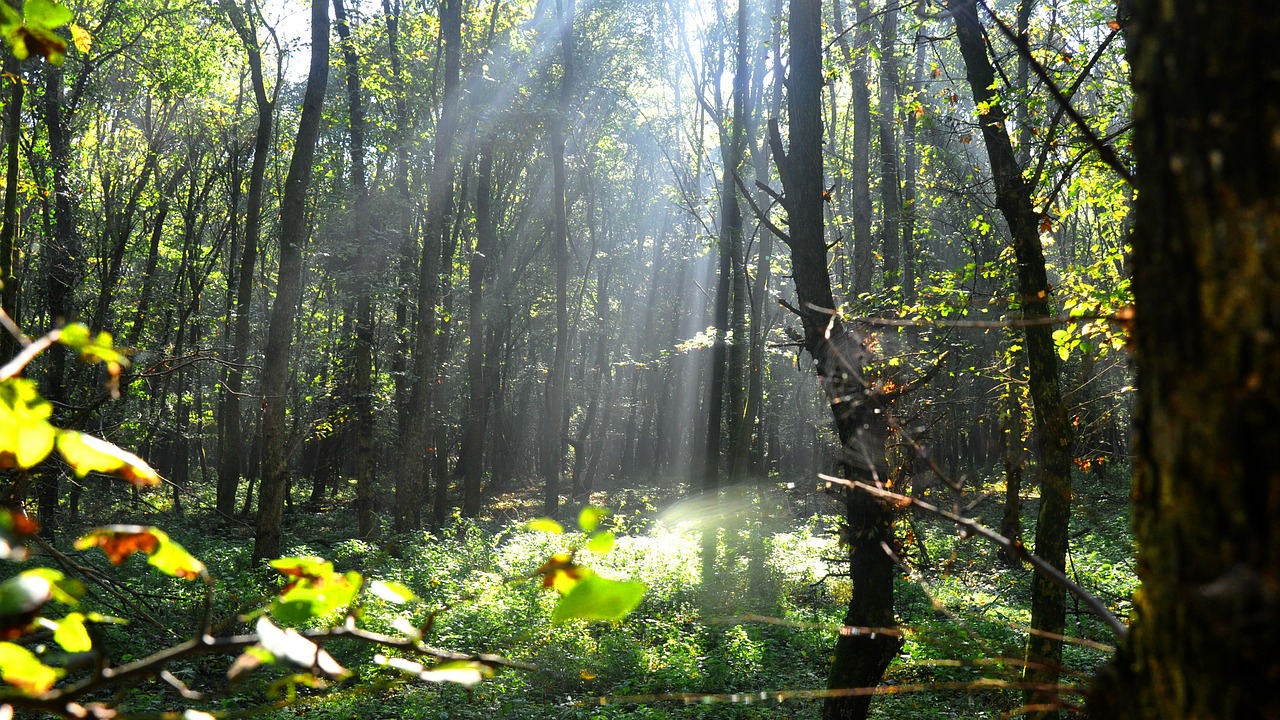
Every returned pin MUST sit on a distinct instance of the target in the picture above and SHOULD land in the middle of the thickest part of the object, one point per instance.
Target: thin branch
(1014, 547)
(1105, 152)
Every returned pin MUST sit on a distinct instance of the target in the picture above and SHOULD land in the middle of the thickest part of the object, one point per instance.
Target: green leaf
(589, 518)
(26, 437)
(46, 14)
(392, 592)
(72, 635)
(318, 590)
(10, 20)
(65, 590)
(600, 543)
(86, 454)
(546, 525)
(597, 598)
(22, 669)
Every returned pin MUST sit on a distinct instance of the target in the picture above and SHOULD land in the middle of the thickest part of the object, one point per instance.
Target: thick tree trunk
(293, 235)
(1206, 253)
(858, 410)
(1053, 430)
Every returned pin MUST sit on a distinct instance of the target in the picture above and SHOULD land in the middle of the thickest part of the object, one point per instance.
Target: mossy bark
(1206, 255)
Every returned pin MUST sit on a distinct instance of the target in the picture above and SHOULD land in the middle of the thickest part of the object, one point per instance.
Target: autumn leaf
(317, 589)
(561, 573)
(121, 541)
(86, 454)
(15, 525)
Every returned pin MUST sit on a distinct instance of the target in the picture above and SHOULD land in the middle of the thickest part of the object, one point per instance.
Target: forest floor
(750, 637)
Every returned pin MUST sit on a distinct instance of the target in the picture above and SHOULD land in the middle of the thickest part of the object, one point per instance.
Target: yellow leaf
(86, 454)
(81, 38)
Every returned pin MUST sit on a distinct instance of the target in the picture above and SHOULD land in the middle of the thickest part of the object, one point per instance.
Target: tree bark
(890, 184)
(553, 432)
(1206, 252)
(416, 443)
(1053, 429)
(9, 220)
(231, 445)
(293, 235)
(362, 365)
(477, 422)
(858, 410)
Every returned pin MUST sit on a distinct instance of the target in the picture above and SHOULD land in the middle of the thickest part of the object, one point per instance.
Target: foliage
(316, 603)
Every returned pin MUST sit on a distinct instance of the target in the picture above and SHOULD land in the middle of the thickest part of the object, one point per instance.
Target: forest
(639, 358)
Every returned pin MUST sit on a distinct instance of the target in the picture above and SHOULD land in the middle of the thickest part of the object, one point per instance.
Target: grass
(760, 618)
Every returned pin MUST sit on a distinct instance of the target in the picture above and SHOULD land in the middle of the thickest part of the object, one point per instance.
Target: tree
(231, 442)
(1206, 245)
(553, 431)
(1054, 435)
(859, 409)
(293, 235)
(419, 440)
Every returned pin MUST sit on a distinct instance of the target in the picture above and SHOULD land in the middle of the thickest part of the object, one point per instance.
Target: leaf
(21, 599)
(22, 669)
(15, 525)
(26, 437)
(463, 672)
(86, 454)
(72, 635)
(46, 14)
(589, 518)
(597, 598)
(81, 39)
(317, 591)
(561, 573)
(10, 20)
(601, 543)
(546, 525)
(121, 541)
(392, 592)
(286, 644)
(65, 590)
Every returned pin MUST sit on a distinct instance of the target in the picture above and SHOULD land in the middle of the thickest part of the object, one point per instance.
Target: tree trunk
(293, 235)
(362, 365)
(553, 431)
(416, 442)
(860, 172)
(890, 185)
(1053, 431)
(1206, 250)
(231, 446)
(477, 421)
(857, 409)
(9, 226)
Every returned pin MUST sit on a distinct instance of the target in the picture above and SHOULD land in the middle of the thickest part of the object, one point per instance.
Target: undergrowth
(760, 618)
